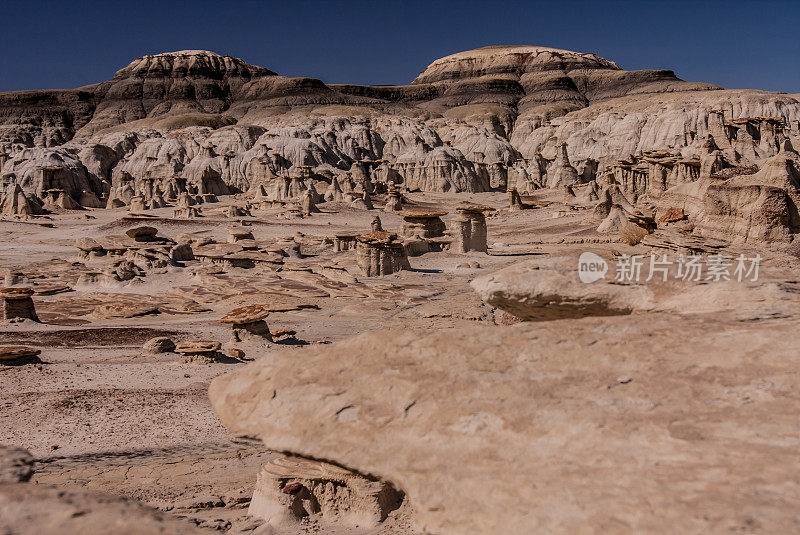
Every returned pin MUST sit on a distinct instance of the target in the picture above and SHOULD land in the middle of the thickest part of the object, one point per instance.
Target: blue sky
(68, 44)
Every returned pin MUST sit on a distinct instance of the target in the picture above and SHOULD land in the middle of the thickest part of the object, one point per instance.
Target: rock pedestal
(469, 229)
(247, 322)
(422, 223)
(185, 208)
(186, 213)
(290, 489)
(344, 242)
(515, 201)
(142, 233)
(380, 253)
(137, 204)
(200, 351)
(307, 204)
(394, 202)
(18, 304)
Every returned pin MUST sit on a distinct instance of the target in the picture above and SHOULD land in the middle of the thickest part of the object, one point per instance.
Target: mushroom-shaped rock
(59, 198)
(185, 200)
(248, 321)
(202, 351)
(18, 304)
(344, 242)
(422, 223)
(188, 212)
(380, 253)
(283, 333)
(246, 314)
(307, 204)
(469, 228)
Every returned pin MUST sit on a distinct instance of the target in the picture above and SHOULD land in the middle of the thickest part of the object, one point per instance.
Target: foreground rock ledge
(625, 423)
(28, 509)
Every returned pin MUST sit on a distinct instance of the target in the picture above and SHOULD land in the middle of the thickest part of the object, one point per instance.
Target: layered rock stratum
(502, 117)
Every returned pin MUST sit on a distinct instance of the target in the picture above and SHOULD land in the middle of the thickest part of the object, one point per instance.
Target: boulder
(534, 433)
(11, 355)
(142, 233)
(159, 344)
(16, 465)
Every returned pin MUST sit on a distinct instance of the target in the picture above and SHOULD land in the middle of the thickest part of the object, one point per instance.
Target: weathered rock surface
(291, 489)
(159, 344)
(16, 465)
(534, 431)
(551, 289)
(29, 509)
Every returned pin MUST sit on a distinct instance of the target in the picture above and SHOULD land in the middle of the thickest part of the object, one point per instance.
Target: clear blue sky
(732, 43)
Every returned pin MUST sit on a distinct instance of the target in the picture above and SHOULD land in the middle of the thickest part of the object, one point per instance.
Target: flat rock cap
(197, 346)
(246, 314)
(141, 232)
(422, 214)
(16, 352)
(378, 237)
(16, 293)
(467, 207)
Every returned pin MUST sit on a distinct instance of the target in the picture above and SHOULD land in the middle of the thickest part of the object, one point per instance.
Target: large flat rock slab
(615, 424)
(550, 289)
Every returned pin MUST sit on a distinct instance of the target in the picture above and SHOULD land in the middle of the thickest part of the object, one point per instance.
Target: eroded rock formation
(496, 118)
